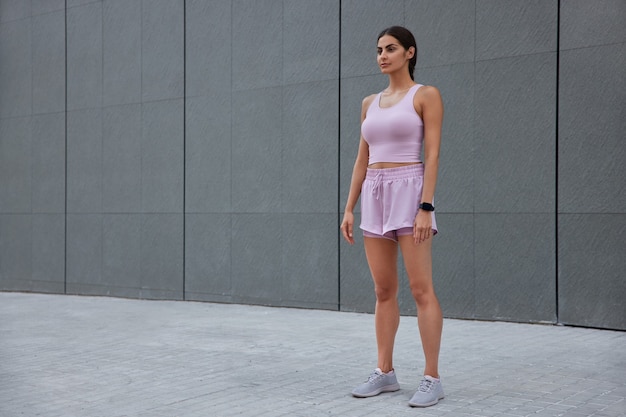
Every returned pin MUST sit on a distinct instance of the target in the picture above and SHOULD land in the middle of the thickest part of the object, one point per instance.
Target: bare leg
(382, 256)
(418, 263)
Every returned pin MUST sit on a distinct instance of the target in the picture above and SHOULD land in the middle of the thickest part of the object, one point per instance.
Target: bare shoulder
(429, 93)
(427, 101)
(367, 101)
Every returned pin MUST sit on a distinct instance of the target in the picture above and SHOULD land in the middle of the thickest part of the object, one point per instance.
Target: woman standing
(397, 189)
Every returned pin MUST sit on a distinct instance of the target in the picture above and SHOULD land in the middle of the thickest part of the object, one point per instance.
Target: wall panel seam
(65, 163)
(184, 254)
(556, 167)
(339, 160)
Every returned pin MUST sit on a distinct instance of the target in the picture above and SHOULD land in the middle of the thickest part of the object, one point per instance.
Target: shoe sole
(388, 388)
(427, 404)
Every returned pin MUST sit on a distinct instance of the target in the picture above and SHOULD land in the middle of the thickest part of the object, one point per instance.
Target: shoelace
(374, 377)
(426, 385)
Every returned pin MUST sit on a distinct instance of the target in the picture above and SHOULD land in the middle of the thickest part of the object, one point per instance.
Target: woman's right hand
(346, 227)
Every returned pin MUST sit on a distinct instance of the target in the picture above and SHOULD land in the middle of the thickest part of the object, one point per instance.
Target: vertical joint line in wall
(281, 155)
(184, 139)
(339, 163)
(65, 206)
(101, 150)
(230, 155)
(474, 277)
(556, 166)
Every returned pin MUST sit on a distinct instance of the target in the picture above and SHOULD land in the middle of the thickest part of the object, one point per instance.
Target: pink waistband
(398, 173)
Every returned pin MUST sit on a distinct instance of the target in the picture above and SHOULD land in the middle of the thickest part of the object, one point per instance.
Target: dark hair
(406, 39)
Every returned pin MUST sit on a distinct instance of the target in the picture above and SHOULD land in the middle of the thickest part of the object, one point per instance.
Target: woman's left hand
(422, 227)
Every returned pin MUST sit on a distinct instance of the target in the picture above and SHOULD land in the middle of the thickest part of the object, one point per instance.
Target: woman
(397, 190)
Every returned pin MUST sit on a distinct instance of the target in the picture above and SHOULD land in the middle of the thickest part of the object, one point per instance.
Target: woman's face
(391, 55)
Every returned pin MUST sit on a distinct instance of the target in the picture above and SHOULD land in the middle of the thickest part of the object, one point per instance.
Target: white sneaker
(376, 383)
(429, 393)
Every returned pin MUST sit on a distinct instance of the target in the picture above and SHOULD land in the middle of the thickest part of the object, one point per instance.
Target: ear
(411, 52)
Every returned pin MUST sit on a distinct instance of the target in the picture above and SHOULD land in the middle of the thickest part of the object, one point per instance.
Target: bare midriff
(385, 165)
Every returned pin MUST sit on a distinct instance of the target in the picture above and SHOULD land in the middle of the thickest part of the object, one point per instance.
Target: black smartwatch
(427, 207)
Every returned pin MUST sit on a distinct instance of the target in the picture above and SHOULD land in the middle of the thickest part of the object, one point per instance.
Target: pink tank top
(396, 133)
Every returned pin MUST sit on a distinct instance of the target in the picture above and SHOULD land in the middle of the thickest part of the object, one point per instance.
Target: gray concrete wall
(591, 168)
(202, 150)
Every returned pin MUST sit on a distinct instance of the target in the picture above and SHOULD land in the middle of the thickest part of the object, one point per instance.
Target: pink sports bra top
(396, 133)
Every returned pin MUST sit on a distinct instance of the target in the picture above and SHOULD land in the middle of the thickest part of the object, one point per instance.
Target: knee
(385, 292)
(422, 295)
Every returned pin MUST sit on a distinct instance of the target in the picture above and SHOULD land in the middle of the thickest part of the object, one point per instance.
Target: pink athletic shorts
(390, 199)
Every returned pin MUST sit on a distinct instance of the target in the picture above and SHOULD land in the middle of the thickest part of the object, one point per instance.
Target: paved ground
(106, 357)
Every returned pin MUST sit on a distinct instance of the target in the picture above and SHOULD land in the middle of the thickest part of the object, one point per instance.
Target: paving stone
(108, 357)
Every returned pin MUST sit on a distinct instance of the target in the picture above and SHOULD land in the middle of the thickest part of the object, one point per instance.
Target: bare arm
(431, 106)
(358, 176)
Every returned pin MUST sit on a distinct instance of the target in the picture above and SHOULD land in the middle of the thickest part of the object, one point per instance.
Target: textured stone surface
(591, 150)
(14, 10)
(358, 38)
(515, 149)
(121, 159)
(161, 256)
(127, 255)
(15, 165)
(48, 163)
(454, 264)
(121, 251)
(121, 52)
(257, 44)
(257, 151)
(75, 3)
(591, 187)
(310, 58)
(84, 254)
(16, 68)
(513, 28)
(95, 356)
(457, 159)
(591, 269)
(208, 145)
(84, 161)
(48, 62)
(309, 261)
(203, 150)
(208, 53)
(162, 49)
(208, 257)
(444, 31)
(46, 6)
(356, 286)
(584, 23)
(16, 250)
(84, 56)
(257, 252)
(162, 157)
(48, 253)
(515, 266)
(310, 148)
